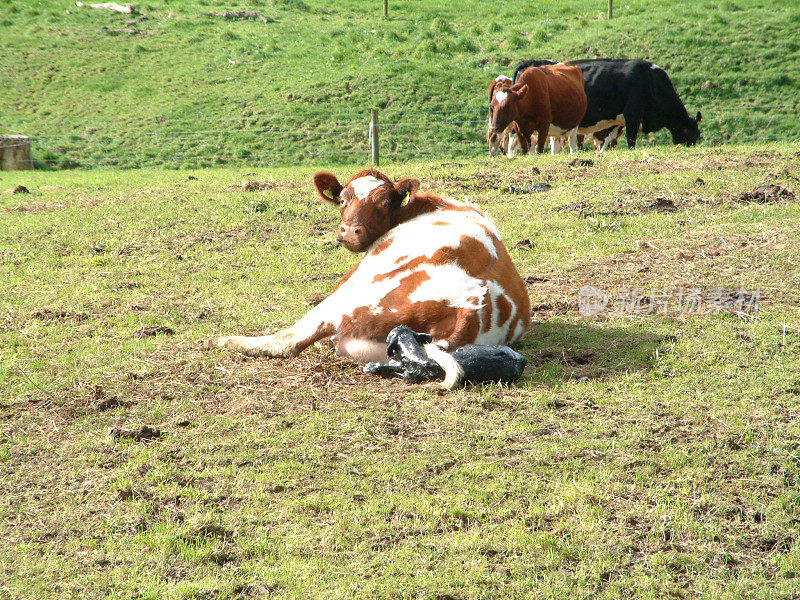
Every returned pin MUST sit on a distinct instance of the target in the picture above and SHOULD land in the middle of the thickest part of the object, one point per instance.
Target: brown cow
(434, 264)
(547, 100)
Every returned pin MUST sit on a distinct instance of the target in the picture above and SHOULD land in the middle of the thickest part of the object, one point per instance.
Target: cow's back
(555, 92)
(612, 85)
(567, 96)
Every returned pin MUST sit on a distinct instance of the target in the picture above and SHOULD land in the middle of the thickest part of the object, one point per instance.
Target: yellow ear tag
(328, 194)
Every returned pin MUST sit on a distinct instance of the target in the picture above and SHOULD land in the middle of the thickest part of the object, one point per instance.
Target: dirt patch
(557, 307)
(621, 208)
(154, 330)
(34, 208)
(241, 15)
(144, 433)
(253, 185)
(58, 315)
(515, 182)
(581, 162)
(663, 205)
(217, 236)
(534, 188)
(208, 530)
(103, 403)
(766, 194)
(523, 245)
(762, 158)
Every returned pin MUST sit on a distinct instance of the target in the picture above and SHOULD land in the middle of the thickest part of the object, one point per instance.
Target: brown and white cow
(547, 100)
(434, 264)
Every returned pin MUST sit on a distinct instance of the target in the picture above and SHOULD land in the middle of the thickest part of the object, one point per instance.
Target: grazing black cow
(633, 93)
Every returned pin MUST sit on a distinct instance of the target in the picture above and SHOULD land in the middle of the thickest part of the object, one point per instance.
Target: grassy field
(642, 455)
(183, 89)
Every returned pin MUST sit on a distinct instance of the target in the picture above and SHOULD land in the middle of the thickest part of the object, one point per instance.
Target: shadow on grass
(558, 351)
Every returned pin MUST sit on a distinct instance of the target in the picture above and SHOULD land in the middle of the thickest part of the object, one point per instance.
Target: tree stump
(15, 153)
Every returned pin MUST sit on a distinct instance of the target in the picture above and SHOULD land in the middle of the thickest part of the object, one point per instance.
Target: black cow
(634, 93)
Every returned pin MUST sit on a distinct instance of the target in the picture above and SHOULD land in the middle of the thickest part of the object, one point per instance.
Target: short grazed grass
(645, 456)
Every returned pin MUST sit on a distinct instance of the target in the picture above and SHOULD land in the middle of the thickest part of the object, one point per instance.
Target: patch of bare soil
(315, 379)
(241, 15)
(151, 331)
(763, 158)
(580, 162)
(253, 185)
(218, 237)
(34, 208)
(47, 314)
(766, 193)
(662, 204)
(630, 203)
(521, 181)
(144, 433)
(697, 261)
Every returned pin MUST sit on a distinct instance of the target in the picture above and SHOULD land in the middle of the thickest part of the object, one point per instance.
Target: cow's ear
(406, 187)
(521, 91)
(699, 116)
(328, 187)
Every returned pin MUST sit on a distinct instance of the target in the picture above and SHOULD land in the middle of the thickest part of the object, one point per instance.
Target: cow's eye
(385, 204)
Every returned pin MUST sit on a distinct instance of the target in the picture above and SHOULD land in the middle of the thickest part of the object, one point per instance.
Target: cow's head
(689, 132)
(494, 139)
(369, 203)
(504, 105)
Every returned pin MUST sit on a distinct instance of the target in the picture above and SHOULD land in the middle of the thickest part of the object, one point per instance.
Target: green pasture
(644, 454)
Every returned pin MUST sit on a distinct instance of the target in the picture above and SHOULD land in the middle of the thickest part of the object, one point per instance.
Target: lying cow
(547, 100)
(433, 264)
(635, 94)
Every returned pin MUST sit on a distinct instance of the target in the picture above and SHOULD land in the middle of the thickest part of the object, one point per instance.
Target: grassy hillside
(183, 88)
(645, 456)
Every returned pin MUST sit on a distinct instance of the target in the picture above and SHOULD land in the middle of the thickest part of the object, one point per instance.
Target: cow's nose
(350, 230)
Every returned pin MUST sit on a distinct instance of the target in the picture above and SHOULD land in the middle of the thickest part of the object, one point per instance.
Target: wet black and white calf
(415, 359)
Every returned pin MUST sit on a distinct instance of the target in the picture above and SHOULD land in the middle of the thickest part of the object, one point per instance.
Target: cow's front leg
(541, 132)
(318, 324)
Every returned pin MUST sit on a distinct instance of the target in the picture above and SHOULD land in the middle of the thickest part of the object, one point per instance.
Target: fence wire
(321, 136)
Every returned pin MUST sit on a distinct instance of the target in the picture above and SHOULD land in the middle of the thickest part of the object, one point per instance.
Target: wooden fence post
(610, 8)
(385, 8)
(373, 137)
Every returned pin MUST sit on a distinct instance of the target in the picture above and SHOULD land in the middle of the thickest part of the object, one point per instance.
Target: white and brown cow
(431, 263)
(548, 101)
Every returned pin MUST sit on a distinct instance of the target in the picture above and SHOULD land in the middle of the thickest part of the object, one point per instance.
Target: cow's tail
(453, 373)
